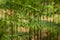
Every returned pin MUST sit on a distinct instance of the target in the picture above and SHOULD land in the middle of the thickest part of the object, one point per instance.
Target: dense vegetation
(27, 13)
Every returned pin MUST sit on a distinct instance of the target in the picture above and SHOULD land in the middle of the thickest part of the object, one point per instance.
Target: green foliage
(27, 13)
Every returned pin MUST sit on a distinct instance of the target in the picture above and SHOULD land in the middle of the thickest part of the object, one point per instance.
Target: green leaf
(3, 1)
